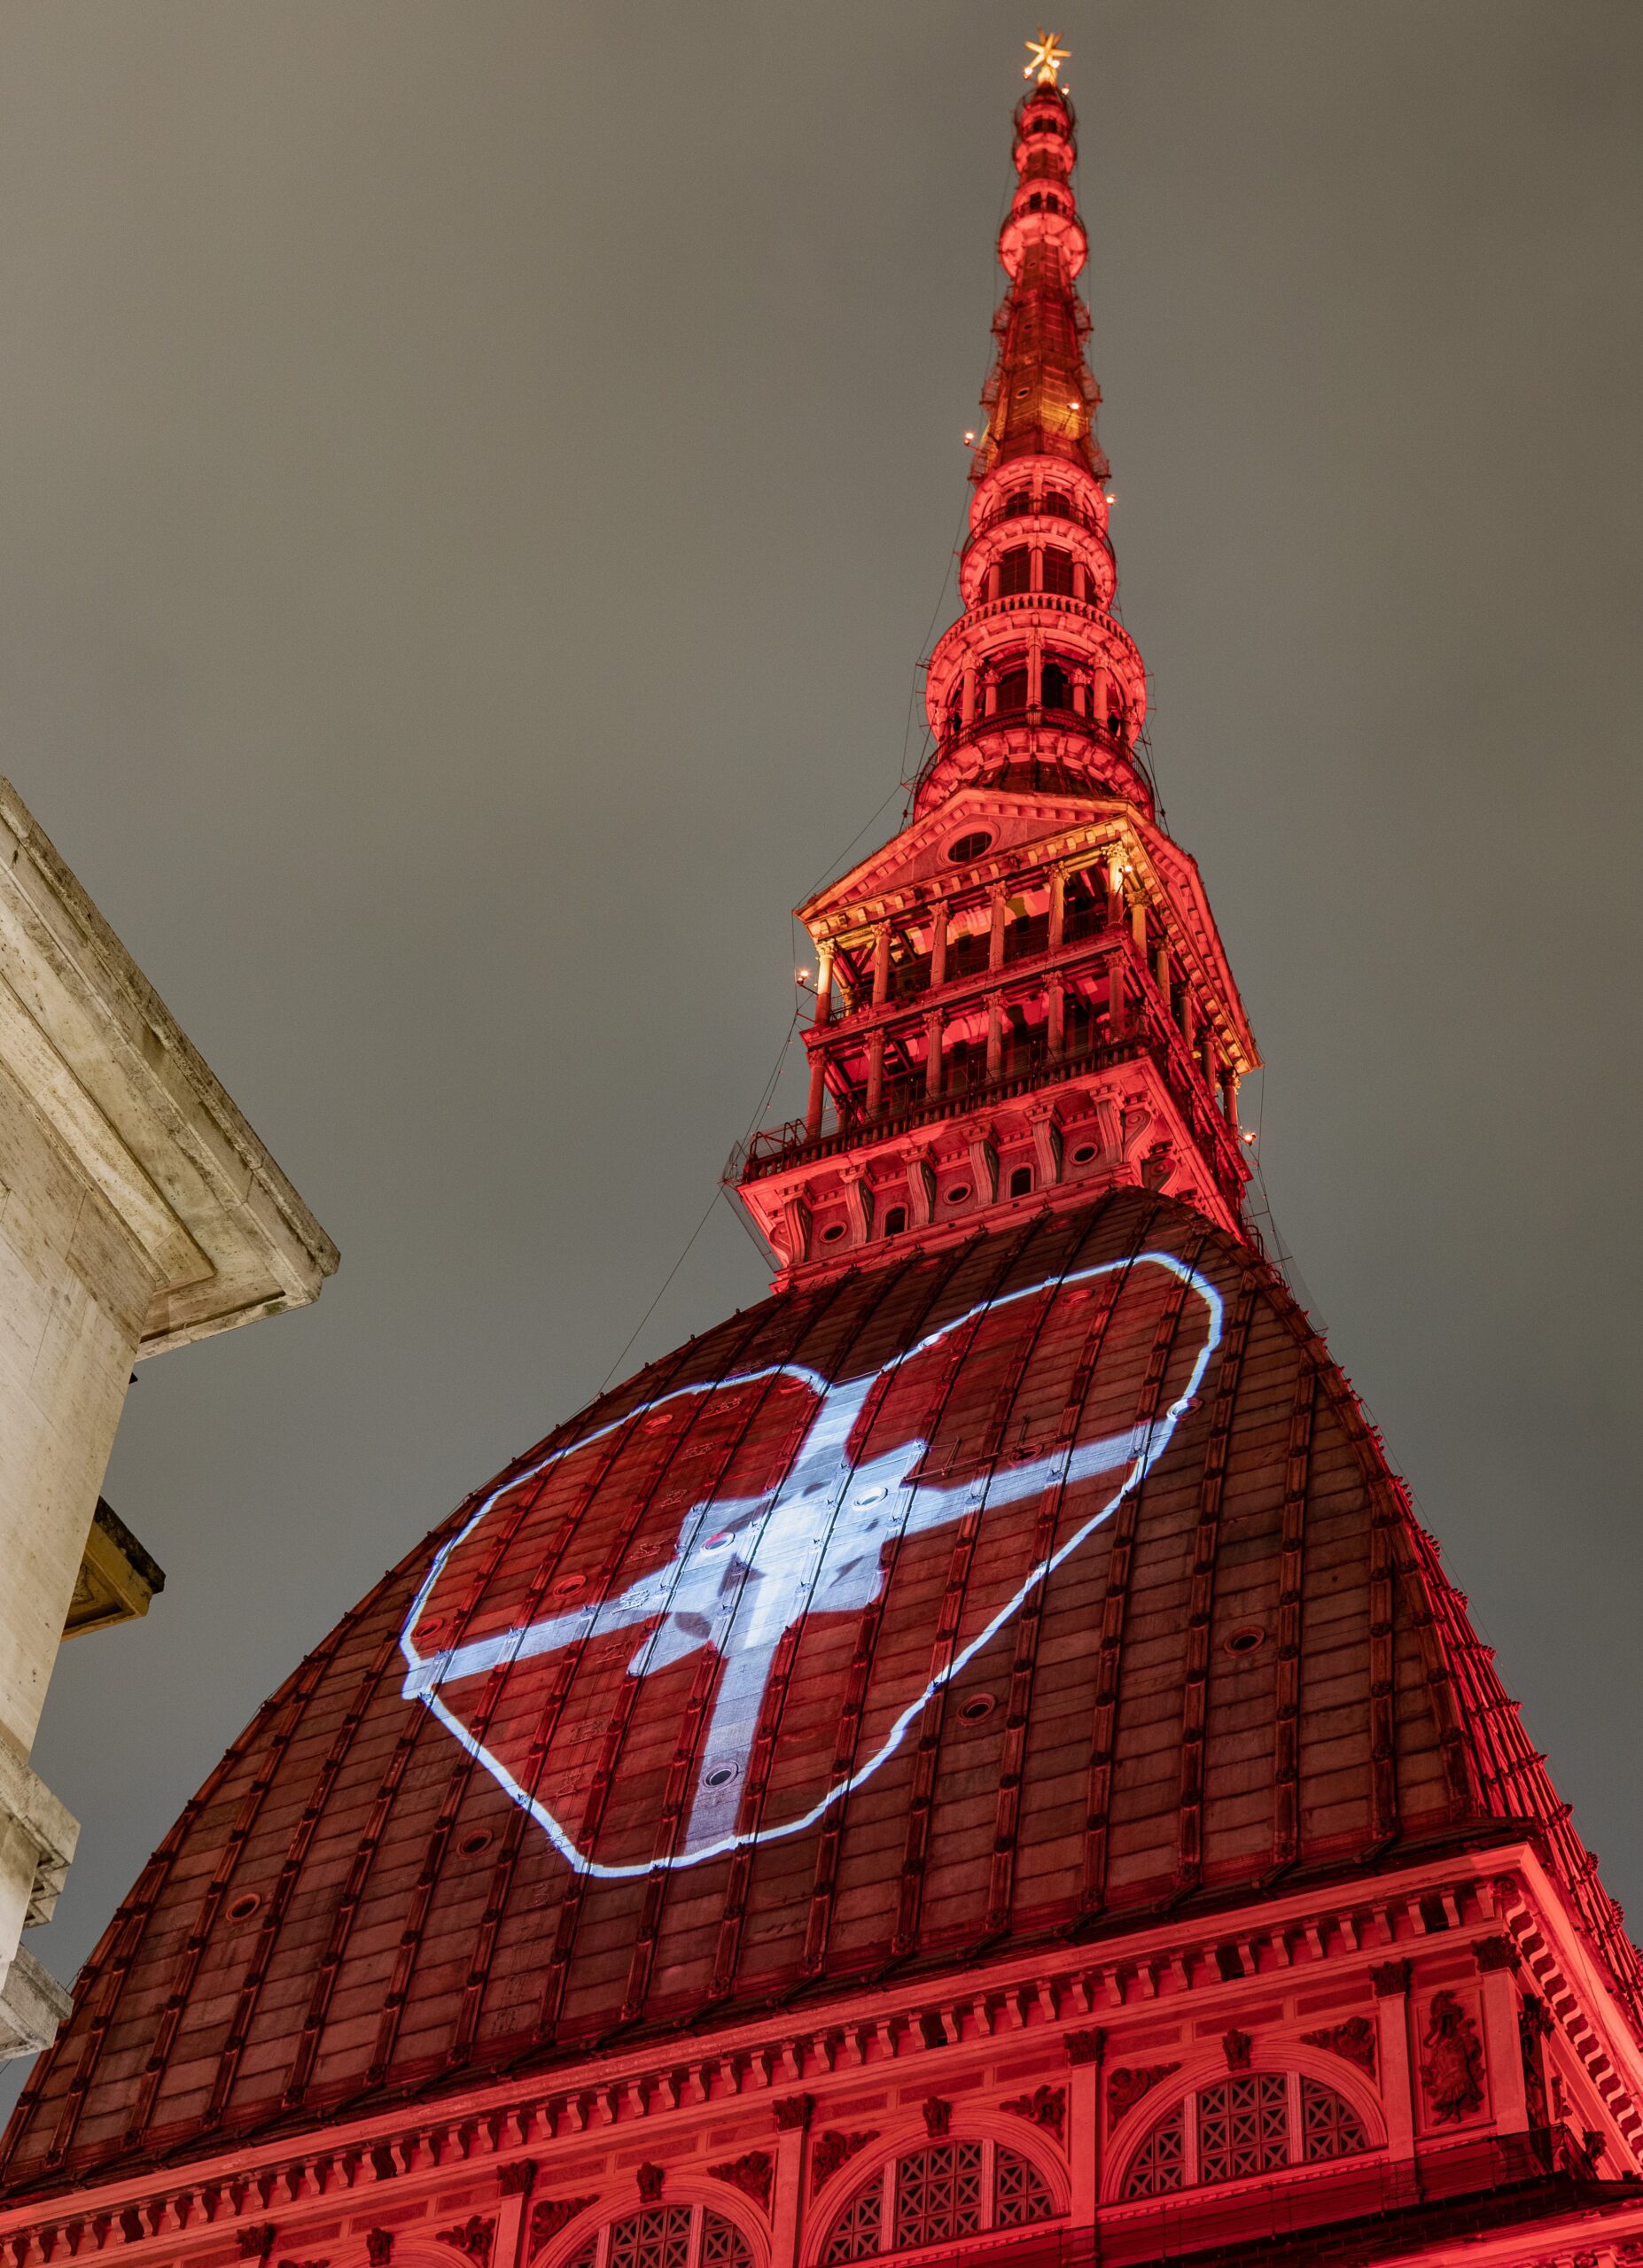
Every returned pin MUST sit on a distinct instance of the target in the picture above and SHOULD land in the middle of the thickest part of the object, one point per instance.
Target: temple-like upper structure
(1021, 1000)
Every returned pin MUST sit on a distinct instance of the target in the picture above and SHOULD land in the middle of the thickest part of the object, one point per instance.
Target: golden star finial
(1048, 57)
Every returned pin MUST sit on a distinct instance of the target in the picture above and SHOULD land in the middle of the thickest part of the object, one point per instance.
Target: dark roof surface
(969, 1686)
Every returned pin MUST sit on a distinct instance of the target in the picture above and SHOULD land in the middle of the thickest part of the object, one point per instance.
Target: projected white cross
(746, 1569)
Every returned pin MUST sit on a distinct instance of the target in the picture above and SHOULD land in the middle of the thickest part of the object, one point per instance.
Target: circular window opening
(244, 1906)
(969, 847)
(959, 1194)
(568, 1586)
(661, 1419)
(476, 1839)
(720, 1776)
(978, 1706)
(831, 1234)
(1247, 1640)
(1085, 1152)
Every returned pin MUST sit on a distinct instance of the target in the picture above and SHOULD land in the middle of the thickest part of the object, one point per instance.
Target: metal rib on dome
(1055, 1581)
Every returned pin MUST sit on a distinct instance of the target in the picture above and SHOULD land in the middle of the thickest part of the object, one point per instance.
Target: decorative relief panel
(751, 2173)
(1045, 2107)
(1355, 2040)
(833, 2148)
(1451, 2065)
(1130, 2082)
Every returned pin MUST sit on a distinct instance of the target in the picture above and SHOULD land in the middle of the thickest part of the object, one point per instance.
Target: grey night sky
(475, 479)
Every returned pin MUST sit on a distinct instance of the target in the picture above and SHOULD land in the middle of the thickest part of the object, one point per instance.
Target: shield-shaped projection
(648, 1635)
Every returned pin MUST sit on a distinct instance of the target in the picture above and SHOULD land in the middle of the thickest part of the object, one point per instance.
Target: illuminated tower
(974, 1755)
(1022, 999)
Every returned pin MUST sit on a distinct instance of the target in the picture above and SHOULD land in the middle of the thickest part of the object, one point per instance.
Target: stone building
(972, 1757)
(138, 1211)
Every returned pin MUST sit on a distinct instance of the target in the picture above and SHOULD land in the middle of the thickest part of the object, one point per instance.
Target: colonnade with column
(1142, 962)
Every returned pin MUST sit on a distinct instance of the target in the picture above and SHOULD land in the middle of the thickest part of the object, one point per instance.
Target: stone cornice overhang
(138, 1112)
(1060, 1994)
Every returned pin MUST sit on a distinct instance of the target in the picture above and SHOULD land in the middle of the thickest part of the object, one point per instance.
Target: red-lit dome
(1014, 1591)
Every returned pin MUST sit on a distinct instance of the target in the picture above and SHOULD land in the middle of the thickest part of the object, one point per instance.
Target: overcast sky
(475, 480)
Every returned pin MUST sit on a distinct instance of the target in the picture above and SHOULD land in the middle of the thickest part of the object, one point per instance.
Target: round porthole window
(974, 845)
(978, 1706)
(959, 1194)
(1085, 1152)
(244, 1906)
(1249, 1638)
(720, 1776)
(476, 1839)
(832, 1232)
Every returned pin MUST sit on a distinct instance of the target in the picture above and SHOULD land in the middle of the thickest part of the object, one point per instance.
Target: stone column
(881, 964)
(1503, 2056)
(938, 943)
(1085, 2053)
(995, 935)
(1058, 908)
(995, 1036)
(934, 1025)
(817, 1104)
(1390, 1980)
(141, 1212)
(876, 1073)
(787, 2199)
(825, 982)
(1055, 1014)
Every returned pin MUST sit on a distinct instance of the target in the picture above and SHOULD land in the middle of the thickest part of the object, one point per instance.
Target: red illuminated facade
(974, 1756)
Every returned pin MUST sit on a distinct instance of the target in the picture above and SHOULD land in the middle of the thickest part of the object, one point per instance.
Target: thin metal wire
(719, 1191)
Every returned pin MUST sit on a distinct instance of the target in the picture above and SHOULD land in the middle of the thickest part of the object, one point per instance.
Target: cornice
(1064, 1999)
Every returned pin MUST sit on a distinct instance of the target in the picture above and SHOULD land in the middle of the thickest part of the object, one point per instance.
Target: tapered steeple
(1022, 999)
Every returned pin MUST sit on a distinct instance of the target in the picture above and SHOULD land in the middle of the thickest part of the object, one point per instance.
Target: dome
(1021, 1590)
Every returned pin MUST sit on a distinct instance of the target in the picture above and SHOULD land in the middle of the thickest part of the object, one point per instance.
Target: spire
(1022, 1000)
(1040, 399)
(1037, 685)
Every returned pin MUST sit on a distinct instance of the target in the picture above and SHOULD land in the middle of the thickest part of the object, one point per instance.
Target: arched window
(935, 2197)
(1021, 1181)
(896, 1221)
(1057, 686)
(1058, 571)
(1236, 2128)
(1016, 570)
(1012, 691)
(667, 2236)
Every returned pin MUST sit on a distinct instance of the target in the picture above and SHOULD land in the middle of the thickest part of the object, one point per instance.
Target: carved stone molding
(1496, 1953)
(518, 2180)
(751, 2173)
(1130, 2082)
(380, 2247)
(257, 2244)
(1355, 2040)
(833, 2148)
(473, 2238)
(1389, 1978)
(554, 2214)
(650, 2178)
(1452, 2070)
(938, 2117)
(1237, 2047)
(1045, 2107)
(1086, 2047)
(793, 2112)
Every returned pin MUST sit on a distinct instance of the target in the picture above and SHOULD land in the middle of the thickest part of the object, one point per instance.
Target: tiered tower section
(1022, 999)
